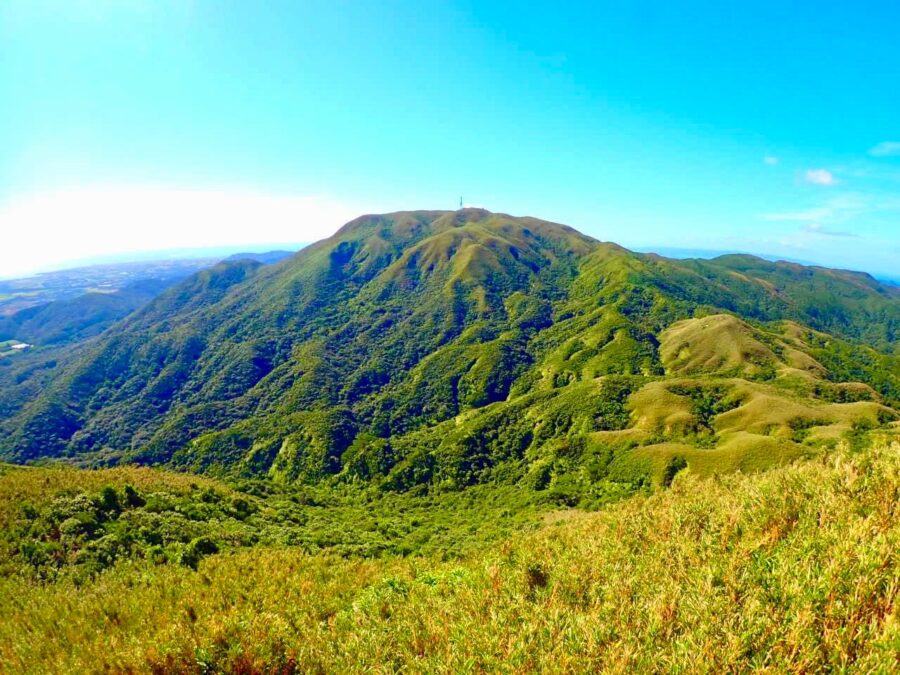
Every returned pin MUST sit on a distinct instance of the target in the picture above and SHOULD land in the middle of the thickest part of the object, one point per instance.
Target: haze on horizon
(136, 125)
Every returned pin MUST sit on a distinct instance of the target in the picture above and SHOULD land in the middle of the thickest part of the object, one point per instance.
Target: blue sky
(135, 124)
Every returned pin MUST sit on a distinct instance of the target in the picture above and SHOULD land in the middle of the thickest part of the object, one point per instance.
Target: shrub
(109, 500)
(198, 549)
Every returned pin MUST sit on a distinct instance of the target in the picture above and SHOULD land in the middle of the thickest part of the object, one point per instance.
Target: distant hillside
(67, 284)
(267, 258)
(434, 350)
(71, 320)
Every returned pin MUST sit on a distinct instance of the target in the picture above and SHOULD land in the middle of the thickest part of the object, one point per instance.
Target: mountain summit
(448, 348)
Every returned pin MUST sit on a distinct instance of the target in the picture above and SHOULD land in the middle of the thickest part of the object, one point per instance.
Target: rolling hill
(436, 350)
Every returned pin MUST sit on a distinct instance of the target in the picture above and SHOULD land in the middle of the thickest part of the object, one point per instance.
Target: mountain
(435, 350)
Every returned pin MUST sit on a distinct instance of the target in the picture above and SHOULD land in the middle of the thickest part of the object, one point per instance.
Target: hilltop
(436, 350)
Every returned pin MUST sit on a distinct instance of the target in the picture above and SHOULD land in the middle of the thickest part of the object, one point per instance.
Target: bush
(198, 549)
(673, 466)
(109, 500)
(132, 498)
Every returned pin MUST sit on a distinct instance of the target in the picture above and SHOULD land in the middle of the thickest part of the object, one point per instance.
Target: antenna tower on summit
(460, 202)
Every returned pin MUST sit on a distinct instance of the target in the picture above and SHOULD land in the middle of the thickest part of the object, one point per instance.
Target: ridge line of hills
(434, 350)
(72, 307)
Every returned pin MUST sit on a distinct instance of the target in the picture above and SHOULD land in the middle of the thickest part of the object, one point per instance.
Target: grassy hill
(791, 570)
(431, 351)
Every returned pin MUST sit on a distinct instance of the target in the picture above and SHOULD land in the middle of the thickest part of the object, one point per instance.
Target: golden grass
(713, 344)
(763, 409)
(792, 570)
(725, 344)
(768, 412)
(655, 408)
(738, 451)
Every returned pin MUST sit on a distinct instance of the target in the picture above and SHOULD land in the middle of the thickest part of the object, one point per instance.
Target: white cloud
(48, 229)
(820, 177)
(770, 160)
(886, 149)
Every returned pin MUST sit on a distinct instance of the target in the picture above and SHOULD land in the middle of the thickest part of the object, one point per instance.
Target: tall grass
(793, 570)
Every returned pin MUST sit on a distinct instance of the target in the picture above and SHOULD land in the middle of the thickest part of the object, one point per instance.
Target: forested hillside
(444, 349)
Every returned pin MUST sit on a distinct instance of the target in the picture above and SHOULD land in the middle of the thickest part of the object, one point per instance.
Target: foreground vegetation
(795, 569)
(64, 523)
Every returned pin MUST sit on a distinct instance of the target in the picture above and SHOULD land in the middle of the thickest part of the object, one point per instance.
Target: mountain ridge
(352, 357)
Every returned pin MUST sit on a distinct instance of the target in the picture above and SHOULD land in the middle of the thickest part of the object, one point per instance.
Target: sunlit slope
(451, 348)
(793, 570)
(839, 302)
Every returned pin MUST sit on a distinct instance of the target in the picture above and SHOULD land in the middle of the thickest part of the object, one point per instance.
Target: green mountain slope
(841, 302)
(449, 348)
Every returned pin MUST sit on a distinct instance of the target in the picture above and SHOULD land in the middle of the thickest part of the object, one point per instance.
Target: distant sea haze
(208, 252)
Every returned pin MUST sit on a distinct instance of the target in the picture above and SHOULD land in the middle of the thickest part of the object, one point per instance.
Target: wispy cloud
(820, 213)
(839, 209)
(816, 228)
(886, 149)
(820, 177)
(770, 160)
